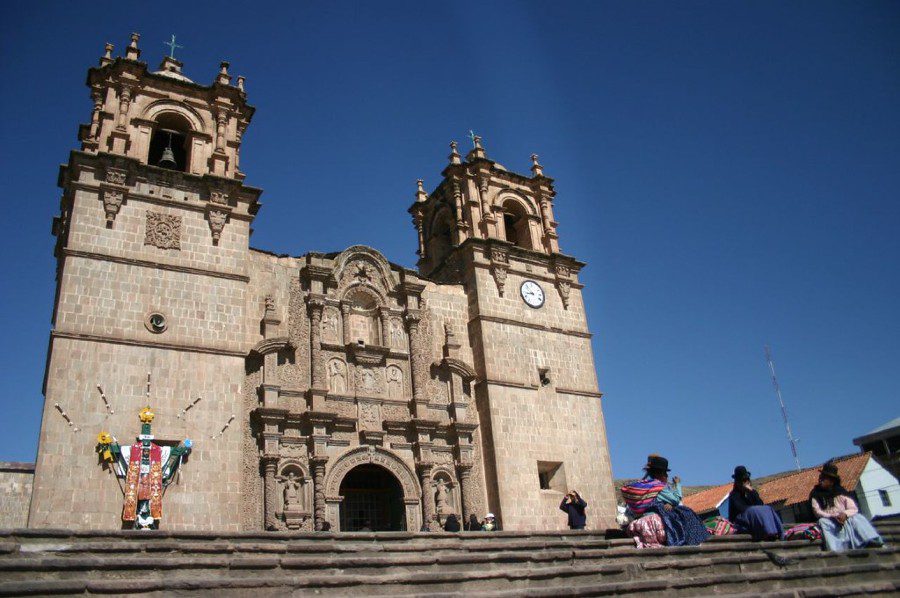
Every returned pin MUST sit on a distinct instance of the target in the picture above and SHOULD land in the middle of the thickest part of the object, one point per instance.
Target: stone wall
(15, 493)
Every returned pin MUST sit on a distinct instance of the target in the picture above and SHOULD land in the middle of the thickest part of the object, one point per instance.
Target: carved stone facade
(315, 370)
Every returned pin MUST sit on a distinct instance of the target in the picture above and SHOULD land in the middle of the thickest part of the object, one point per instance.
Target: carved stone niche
(446, 495)
(294, 497)
(370, 355)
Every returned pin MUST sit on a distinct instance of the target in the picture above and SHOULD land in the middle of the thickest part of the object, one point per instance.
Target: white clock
(532, 294)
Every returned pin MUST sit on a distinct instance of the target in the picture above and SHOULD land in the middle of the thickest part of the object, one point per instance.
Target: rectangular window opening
(552, 476)
(885, 498)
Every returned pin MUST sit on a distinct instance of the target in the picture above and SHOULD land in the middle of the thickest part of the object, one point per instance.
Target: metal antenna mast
(784, 415)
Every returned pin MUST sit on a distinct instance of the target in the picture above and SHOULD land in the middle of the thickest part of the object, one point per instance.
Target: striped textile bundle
(719, 526)
(640, 495)
(804, 531)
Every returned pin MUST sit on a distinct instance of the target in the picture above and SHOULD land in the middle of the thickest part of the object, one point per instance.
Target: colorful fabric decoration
(719, 526)
(804, 531)
(648, 531)
(641, 494)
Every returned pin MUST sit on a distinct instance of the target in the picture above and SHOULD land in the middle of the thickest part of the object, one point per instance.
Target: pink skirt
(648, 531)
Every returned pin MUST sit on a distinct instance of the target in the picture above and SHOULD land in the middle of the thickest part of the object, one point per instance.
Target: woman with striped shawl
(661, 519)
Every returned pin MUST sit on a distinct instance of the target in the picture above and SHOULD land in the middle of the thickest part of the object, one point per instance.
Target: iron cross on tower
(172, 45)
(472, 134)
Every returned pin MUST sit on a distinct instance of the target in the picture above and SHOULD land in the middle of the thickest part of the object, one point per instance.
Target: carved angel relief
(163, 230)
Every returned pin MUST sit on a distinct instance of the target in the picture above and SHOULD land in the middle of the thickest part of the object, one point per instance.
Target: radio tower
(784, 415)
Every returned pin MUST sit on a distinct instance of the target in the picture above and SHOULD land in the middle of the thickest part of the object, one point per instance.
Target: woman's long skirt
(761, 522)
(856, 532)
(648, 531)
(683, 527)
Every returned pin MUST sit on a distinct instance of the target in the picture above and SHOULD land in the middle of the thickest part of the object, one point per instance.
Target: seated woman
(662, 518)
(747, 511)
(842, 526)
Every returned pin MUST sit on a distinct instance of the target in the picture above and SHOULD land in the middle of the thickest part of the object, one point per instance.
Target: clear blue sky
(730, 171)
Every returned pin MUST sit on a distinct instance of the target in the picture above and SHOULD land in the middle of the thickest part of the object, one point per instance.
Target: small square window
(885, 498)
(552, 476)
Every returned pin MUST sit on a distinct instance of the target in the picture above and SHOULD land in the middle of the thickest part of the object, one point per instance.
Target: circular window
(156, 323)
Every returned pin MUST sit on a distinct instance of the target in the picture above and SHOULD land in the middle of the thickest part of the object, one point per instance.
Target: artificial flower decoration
(146, 415)
(104, 438)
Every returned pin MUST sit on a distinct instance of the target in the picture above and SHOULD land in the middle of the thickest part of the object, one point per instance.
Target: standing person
(573, 506)
(843, 528)
(748, 512)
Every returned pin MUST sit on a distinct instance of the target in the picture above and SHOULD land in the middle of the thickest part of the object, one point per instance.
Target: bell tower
(493, 232)
(152, 248)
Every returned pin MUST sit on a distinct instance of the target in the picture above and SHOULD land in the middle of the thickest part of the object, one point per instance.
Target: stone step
(549, 582)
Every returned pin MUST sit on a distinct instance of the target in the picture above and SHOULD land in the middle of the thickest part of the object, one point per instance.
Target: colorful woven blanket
(719, 526)
(804, 531)
(640, 495)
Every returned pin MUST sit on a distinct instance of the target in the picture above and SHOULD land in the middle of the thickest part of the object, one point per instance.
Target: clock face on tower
(532, 294)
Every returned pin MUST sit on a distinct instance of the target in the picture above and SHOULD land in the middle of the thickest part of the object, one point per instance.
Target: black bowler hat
(740, 473)
(830, 470)
(657, 463)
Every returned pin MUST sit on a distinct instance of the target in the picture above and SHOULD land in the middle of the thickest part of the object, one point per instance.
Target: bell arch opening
(170, 142)
(372, 500)
(515, 223)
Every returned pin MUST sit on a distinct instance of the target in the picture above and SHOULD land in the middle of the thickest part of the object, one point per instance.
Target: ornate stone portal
(360, 407)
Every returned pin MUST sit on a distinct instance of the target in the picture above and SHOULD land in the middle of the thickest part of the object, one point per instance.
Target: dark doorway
(373, 500)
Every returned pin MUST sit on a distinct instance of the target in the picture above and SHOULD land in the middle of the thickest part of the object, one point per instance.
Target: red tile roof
(785, 490)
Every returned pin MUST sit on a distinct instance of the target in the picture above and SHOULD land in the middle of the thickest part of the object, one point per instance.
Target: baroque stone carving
(116, 176)
(337, 376)
(217, 217)
(112, 201)
(369, 417)
(330, 325)
(163, 230)
(369, 381)
(397, 336)
(499, 267)
(394, 382)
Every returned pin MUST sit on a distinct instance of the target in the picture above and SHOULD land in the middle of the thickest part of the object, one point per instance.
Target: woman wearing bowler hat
(663, 519)
(843, 528)
(748, 512)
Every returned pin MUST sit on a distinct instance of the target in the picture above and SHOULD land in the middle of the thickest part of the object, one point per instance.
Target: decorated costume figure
(147, 469)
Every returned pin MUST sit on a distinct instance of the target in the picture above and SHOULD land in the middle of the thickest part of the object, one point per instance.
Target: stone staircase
(58, 562)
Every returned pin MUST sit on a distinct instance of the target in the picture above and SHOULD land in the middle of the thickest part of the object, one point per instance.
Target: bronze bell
(168, 156)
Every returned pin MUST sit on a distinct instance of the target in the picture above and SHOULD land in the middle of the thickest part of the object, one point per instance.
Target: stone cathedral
(323, 391)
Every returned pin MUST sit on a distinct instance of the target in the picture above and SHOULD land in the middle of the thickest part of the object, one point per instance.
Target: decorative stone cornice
(271, 345)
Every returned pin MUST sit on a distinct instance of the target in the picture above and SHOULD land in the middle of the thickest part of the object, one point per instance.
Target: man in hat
(843, 528)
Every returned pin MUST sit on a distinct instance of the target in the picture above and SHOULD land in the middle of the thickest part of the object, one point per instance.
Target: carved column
(316, 306)
(413, 321)
(270, 464)
(97, 96)
(221, 119)
(417, 220)
(318, 467)
(468, 491)
(385, 318)
(124, 101)
(427, 495)
(345, 322)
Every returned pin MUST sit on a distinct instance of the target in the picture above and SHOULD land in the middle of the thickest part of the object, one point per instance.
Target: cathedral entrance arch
(369, 487)
(372, 500)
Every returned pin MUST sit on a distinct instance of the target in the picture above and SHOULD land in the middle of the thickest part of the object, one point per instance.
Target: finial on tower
(477, 149)
(224, 78)
(240, 82)
(421, 195)
(454, 153)
(107, 54)
(536, 168)
(133, 52)
(172, 45)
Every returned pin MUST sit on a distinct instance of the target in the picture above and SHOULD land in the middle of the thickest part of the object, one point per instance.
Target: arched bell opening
(441, 240)
(515, 223)
(170, 142)
(372, 500)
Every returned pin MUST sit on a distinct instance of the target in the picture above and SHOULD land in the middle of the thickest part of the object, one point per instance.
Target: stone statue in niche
(292, 500)
(369, 381)
(396, 334)
(440, 497)
(394, 382)
(337, 376)
(329, 326)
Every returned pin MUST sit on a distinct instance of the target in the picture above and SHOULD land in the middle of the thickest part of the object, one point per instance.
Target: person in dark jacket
(452, 524)
(747, 511)
(573, 506)
(473, 525)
